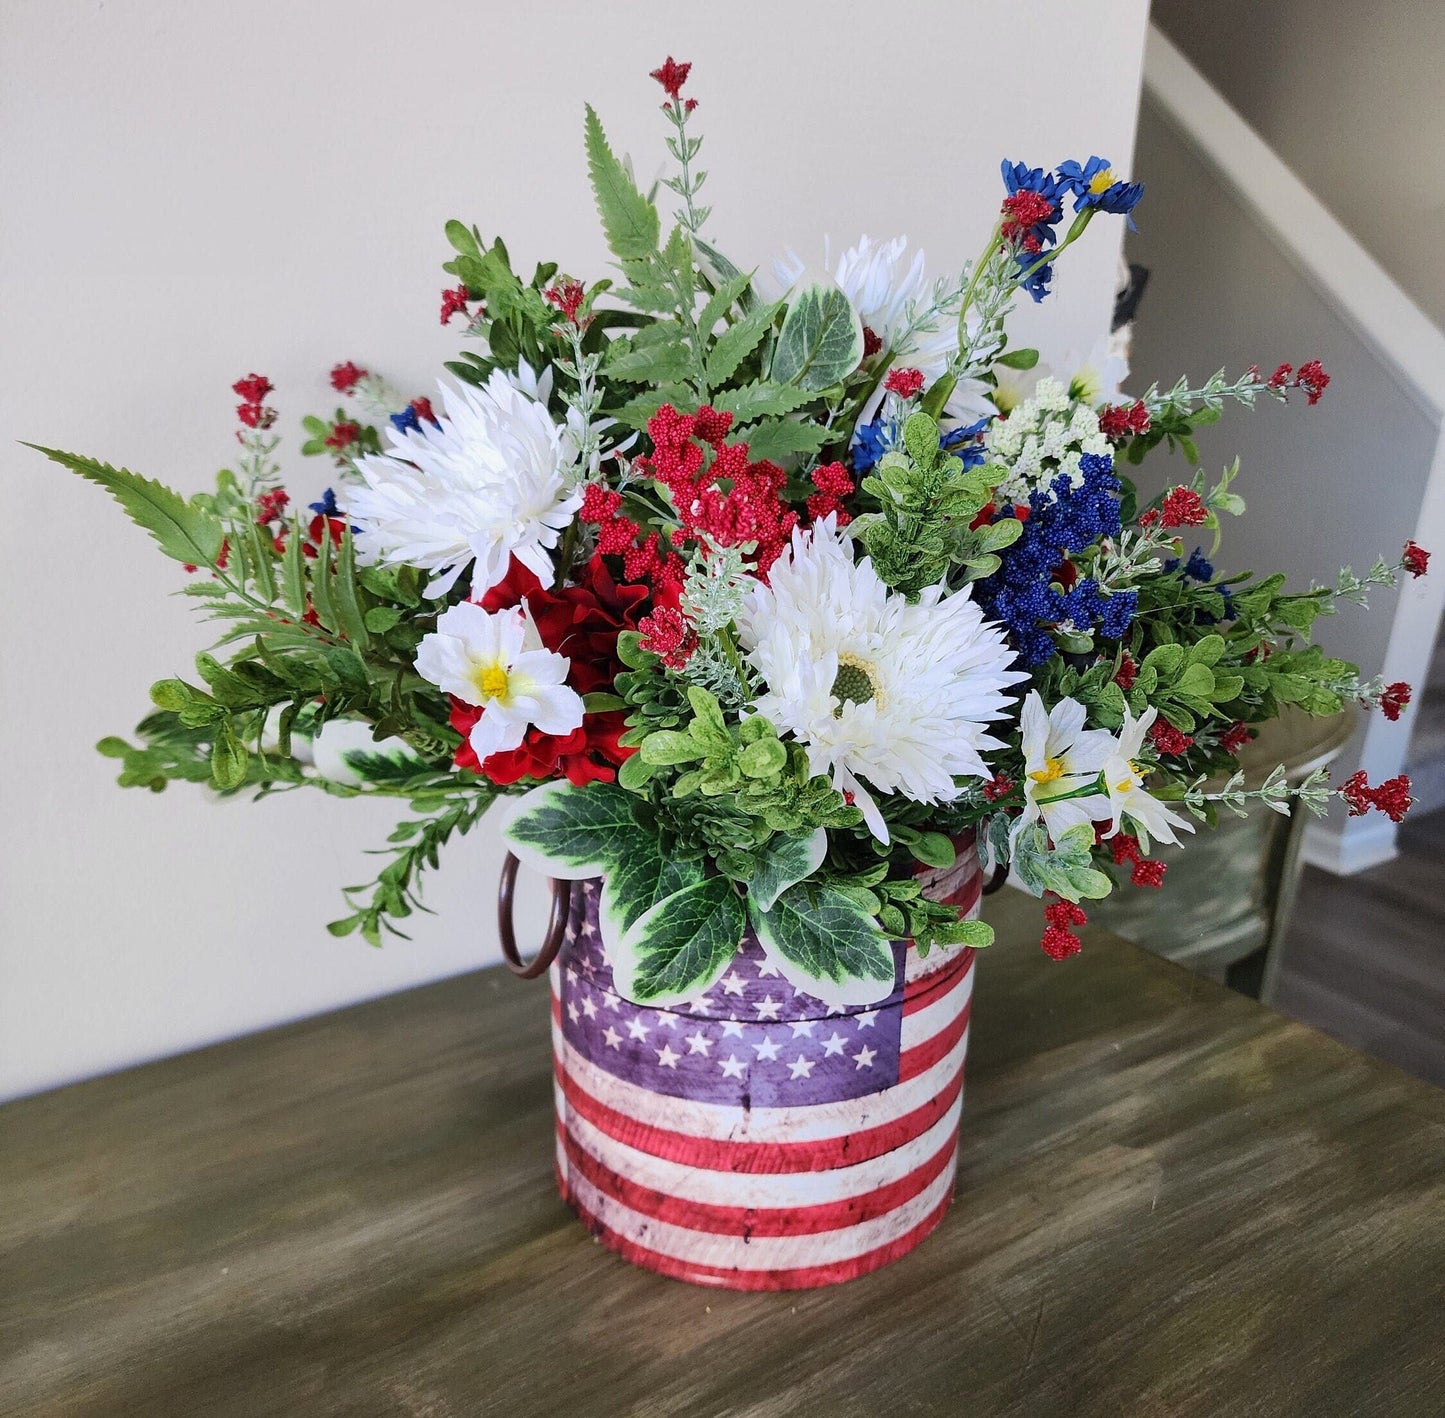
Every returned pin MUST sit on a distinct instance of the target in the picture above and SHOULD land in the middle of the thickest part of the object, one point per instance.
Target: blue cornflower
(406, 421)
(1094, 185)
(870, 443)
(327, 506)
(1035, 278)
(964, 441)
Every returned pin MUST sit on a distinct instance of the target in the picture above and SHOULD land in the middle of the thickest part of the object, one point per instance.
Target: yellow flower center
(1101, 181)
(1053, 768)
(491, 681)
(1132, 781)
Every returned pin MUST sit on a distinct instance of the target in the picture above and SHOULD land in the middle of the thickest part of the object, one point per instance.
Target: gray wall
(1352, 96)
(1325, 486)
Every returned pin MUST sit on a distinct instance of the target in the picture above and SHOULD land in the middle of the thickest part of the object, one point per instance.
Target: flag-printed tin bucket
(754, 1138)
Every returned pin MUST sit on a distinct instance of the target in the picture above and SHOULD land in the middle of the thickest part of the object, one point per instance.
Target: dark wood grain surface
(1171, 1201)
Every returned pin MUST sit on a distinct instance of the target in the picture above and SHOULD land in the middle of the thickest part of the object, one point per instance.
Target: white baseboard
(1350, 847)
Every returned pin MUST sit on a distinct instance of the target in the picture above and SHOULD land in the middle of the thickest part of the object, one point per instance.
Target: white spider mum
(883, 695)
(496, 477)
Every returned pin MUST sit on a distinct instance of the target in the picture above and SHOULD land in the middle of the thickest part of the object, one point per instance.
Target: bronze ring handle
(556, 925)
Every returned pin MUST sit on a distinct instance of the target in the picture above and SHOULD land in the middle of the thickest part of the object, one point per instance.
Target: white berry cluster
(1044, 436)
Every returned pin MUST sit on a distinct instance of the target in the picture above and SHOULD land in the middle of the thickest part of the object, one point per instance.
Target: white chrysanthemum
(883, 695)
(1125, 783)
(495, 659)
(1062, 761)
(883, 282)
(496, 478)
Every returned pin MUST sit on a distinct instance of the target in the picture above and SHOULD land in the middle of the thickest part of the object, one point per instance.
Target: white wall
(193, 192)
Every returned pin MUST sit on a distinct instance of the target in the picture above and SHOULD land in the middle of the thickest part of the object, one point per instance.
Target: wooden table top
(1171, 1201)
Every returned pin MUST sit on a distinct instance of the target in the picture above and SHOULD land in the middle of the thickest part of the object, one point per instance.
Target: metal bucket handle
(556, 924)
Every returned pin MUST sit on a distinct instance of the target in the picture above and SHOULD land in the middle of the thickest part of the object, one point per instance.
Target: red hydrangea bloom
(454, 302)
(672, 76)
(1416, 560)
(345, 377)
(1235, 737)
(750, 510)
(1127, 672)
(833, 484)
(1121, 421)
(581, 622)
(1183, 507)
(1169, 741)
(906, 383)
(1059, 941)
(669, 635)
(1392, 797)
(1394, 700)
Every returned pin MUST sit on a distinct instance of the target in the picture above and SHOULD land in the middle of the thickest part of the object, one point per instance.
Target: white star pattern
(666, 1020)
(731, 1028)
(698, 1043)
(572, 973)
(865, 1056)
(767, 1049)
(572, 1011)
(801, 1067)
(768, 1007)
(801, 1027)
(613, 1038)
(832, 1046)
(610, 1001)
(588, 929)
(732, 1067)
(637, 1028)
(767, 968)
(700, 1005)
(666, 1057)
(588, 1007)
(733, 983)
(867, 1019)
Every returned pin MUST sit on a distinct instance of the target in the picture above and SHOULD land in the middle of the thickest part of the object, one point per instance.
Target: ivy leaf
(635, 883)
(1065, 868)
(628, 218)
(821, 341)
(784, 863)
(680, 946)
(826, 945)
(184, 531)
(571, 833)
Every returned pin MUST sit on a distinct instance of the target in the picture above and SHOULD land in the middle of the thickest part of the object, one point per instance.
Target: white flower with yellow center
(1124, 781)
(495, 660)
(1062, 763)
(495, 477)
(885, 696)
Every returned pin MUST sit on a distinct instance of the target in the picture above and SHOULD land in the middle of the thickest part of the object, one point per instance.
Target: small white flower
(496, 478)
(1125, 783)
(495, 659)
(875, 689)
(1062, 760)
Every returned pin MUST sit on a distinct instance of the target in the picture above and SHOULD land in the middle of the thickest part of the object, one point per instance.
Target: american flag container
(753, 1138)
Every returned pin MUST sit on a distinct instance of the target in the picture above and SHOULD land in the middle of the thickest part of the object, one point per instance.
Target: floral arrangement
(755, 596)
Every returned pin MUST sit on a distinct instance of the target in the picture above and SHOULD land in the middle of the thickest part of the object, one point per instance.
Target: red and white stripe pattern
(766, 1197)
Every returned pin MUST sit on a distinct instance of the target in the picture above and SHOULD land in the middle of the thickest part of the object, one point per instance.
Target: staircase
(1426, 762)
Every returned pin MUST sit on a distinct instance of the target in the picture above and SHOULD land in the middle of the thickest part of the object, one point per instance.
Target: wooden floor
(1365, 955)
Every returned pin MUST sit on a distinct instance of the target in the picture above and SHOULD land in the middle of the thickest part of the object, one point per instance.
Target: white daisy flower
(1062, 760)
(495, 659)
(1125, 783)
(878, 691)
(496, 478)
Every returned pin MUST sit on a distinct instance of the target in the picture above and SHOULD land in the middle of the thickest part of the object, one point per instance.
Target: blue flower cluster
(1064, 519)
(874, 439)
